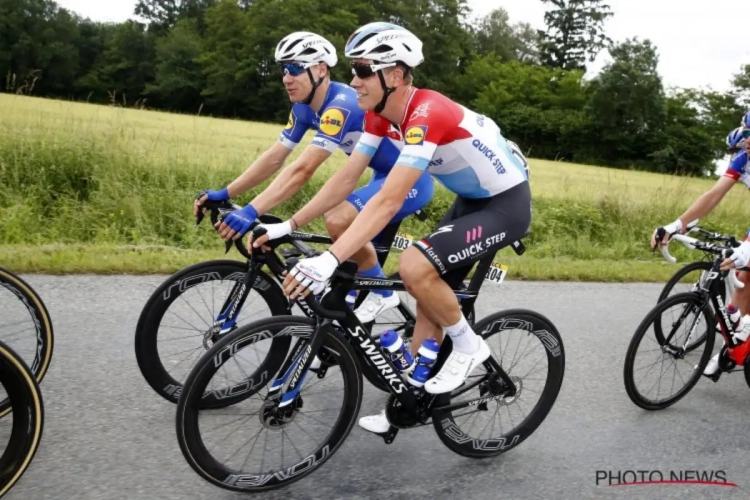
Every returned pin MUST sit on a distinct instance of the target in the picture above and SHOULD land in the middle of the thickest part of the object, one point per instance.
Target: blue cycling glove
(222, 195)
(241, 220)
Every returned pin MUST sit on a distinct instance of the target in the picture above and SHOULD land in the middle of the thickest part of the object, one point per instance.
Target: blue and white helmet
(735, 140)
(745, 120)
(385, 43)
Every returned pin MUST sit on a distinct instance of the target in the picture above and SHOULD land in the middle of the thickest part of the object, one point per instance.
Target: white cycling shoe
(457, 367)
(713, 366)
(374, 305)
(375, 423)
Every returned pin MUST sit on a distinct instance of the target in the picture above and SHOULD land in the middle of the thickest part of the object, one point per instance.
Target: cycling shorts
(419, 195)
(474, 228)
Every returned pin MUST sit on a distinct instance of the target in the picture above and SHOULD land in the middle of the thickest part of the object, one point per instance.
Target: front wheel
(263, 442)
(679, 318)
(529, 349)
(25, 429)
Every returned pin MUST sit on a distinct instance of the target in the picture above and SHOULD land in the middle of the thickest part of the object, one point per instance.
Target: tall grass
(76, 174)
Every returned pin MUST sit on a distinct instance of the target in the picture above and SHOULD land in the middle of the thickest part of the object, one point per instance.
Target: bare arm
(707, 201)
(261, 169)
(378, 212)
(291, 179)
(335, 190)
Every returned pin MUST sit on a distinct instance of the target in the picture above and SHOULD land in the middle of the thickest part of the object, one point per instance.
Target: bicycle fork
(227, 318)
(285, 389)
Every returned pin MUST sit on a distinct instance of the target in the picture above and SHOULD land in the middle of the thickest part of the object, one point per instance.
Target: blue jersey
(340, 123)
(738, 170)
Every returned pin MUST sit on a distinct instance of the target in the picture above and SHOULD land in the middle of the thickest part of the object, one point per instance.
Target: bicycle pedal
(715, 377)
(389, 435)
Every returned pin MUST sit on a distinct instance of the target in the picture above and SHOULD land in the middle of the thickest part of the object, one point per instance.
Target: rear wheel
(530, 351)
(25, 326)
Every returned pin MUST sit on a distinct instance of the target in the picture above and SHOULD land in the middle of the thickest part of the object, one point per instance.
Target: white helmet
(306, 47)
(385, 43)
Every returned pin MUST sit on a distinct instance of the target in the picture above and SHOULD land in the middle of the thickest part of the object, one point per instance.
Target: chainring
(401, 419)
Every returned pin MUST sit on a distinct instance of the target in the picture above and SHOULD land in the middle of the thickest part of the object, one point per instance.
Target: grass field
(87, 188)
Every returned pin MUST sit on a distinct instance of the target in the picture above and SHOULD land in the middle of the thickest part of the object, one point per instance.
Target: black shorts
(474, 228)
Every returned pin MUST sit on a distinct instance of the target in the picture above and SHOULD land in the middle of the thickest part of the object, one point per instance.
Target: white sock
(463, 337)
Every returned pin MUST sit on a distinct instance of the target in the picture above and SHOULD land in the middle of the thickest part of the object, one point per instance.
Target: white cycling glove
(276, 231)
(314, 273)
(673, 227)
(741, 255)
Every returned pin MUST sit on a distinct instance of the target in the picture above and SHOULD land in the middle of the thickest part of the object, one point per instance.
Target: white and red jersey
(460, 148)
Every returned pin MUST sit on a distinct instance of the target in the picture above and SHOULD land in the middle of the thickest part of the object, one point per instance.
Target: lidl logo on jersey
(415, 136)
(290, 122)
(332, 121)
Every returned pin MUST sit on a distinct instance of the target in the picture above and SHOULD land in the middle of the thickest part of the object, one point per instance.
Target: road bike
(691, 350)
(24, 428)
(236, 280)
(335, 334)
(25, 326)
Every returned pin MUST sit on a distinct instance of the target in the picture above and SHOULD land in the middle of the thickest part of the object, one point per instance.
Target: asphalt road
(108, 436)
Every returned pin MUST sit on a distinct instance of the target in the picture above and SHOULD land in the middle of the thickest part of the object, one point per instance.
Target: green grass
(97, 189)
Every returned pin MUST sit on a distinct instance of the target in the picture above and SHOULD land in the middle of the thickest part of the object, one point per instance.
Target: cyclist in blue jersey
(736, 171)
(331, 109)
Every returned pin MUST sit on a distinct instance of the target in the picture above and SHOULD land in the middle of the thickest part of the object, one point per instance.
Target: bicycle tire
(34, 304)
(459, 442)
(691, 299)
(188, 434)
(147, 330)
(26, 402)
(669, 286)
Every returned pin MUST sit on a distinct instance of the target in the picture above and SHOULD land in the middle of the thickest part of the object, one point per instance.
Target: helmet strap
(386, 92)
(314, 86)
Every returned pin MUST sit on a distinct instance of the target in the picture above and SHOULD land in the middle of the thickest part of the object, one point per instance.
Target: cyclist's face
(299, 87)
(369, 90)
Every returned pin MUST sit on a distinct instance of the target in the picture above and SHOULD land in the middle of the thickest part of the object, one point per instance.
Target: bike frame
(333, 308)
(710, 291)
(297, 364)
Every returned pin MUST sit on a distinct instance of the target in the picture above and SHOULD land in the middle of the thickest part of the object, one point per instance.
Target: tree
(179, 79)
(162, 15)
(127, 64)
(575, 32)
(495, 34)
(627, 103)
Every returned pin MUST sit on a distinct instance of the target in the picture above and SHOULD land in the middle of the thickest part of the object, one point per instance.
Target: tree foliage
(216, 56)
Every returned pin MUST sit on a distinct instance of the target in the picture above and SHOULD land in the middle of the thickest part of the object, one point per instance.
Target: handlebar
(694, 243)
(335, 294)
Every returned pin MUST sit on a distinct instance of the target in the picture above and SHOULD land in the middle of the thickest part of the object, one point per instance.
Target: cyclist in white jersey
(460, 148)
(736, 172)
